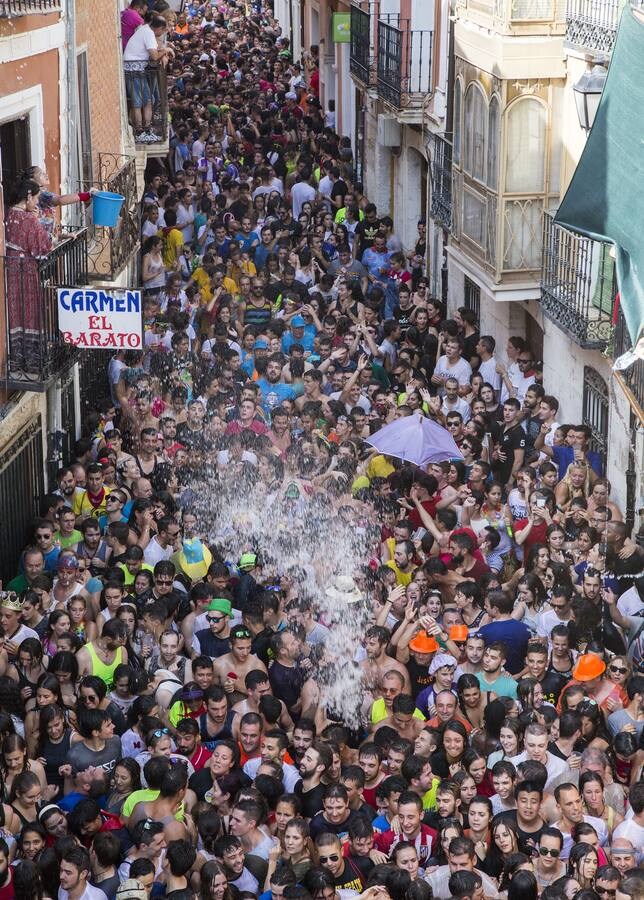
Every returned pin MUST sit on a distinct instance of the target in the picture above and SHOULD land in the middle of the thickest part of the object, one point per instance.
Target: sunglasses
(333, 858)
(215, 618)
(163, 580)
(160, 732)
(618, 670)
(543, 851)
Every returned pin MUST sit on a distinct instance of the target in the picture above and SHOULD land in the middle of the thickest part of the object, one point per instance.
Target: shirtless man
(378, 662)
(238, 663)
(312, 381)
(257, 685)
(146, 459)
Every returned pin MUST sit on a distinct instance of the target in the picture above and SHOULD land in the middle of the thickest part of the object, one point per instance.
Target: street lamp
(588, 91)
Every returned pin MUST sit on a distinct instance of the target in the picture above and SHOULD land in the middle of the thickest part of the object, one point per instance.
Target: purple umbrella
(415, 439)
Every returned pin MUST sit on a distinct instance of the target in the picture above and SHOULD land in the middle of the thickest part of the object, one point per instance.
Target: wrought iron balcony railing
(361, 58)
(592, 24)
(28, 7)
(633, 377)
(35, 351)
(577, 285)
(404, 62)
(441, 178)
(156, 131)
(110, 249)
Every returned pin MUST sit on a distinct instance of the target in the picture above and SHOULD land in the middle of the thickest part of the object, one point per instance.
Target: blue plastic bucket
(106, 207)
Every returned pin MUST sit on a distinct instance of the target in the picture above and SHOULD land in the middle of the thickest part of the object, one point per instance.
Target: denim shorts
(137, 88)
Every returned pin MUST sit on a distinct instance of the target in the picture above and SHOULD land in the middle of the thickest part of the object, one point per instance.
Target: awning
(605, 199)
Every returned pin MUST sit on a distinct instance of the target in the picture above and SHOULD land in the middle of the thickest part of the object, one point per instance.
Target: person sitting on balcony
(142, 48)
(26, 240)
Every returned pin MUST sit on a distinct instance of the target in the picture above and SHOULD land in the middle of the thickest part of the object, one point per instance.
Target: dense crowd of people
(170, 719)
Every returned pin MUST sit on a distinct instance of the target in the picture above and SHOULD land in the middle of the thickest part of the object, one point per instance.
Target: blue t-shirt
(380, 824)
(306, 341)
(515, 635)
(374, 262)
(563, 456)
(272, 395)
(261, 254)
(246, 241)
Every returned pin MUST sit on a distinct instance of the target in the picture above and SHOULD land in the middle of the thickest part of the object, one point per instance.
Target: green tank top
(101, 669)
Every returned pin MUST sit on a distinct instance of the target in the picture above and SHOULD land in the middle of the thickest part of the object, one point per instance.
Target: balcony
(632, 378)
(155, 79)
(592, 24)
(404, 63)
(577, 285)
(35, 351)
(110, 249)
(361, 62)
(10, 8)
(441, 178)
(543, 17)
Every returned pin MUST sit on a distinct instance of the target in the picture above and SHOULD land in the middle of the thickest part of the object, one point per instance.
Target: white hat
(291, 95)
(344, 590)
(440, 660)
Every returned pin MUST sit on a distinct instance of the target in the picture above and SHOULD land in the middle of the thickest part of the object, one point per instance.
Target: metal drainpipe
(72, 93)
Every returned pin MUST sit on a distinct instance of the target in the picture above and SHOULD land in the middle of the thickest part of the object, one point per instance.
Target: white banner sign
(101, 319)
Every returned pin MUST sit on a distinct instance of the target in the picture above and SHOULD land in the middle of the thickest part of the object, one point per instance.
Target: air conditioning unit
(388, 131)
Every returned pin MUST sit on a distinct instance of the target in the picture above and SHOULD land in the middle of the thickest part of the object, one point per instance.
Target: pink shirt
(130, 21)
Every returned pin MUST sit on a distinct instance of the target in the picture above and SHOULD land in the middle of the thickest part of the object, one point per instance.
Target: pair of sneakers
(147, 137)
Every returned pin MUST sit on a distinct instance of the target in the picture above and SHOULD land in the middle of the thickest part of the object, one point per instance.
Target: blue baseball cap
(297, 322)
(261, 344)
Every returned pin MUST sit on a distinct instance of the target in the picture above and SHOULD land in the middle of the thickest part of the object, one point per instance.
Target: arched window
(456, 150)
(474, 132)
(526, 147)
(493, 132)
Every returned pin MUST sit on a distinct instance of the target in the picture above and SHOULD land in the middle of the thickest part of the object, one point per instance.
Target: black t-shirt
(311, 800)
(510, 439)
(552, 684)
(286, 682)
(365, 234)
(469, 346)
(339, 189)
(297, 288)
(403, 317)
(530, 838)
(193, 440)
(261, 645)
(351, 878)
(419, 677)
(201, 781)
(319, 825)
(532, 429)
(211, 645)
(109, 885)
(362, 863)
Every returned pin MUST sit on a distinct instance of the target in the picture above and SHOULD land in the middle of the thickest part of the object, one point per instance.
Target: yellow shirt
(245, 268)
(403, 578)
(82, 506)
(202, 280)
(379, 467)
(379, 712)
(429, 797)
(172, 244)
(129, 577)
(145, 795)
